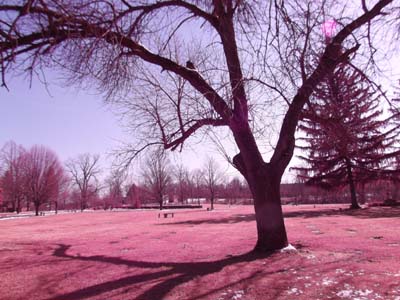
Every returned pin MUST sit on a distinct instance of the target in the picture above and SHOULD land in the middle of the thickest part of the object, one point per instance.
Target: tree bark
(160, 201)
(271, 232)
(18, 205)
(264, 182)
(354, 203)
(36, 208)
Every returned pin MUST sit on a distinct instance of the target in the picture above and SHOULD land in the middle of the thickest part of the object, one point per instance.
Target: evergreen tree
(347, 140)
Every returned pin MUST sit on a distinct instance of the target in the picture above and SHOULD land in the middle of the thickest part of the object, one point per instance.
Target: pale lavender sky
(68, 121)
(65, 120)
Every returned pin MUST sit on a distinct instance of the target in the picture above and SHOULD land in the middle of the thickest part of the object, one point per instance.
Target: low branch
(196, 126)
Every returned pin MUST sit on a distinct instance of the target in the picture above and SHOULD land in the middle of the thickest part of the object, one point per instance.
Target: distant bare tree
(212, 177)
(12, 174)
(63, 190)
(190, 185)
(156, 175)
(84, 171)
(132, 195)
(198, 181)
(115, 184)
(43, 176)
(181, 177)
(234, 189)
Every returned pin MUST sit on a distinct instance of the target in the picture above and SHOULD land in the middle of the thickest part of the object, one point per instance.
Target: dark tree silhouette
(347, 139)
(238, 46)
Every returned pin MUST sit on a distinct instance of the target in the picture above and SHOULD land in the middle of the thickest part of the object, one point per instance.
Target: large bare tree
(84, 171)
(255, 57)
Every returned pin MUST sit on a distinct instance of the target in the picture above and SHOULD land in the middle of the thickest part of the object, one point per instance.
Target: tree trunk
(354, 203)
(395, 194)
(264, 182)
(18, 206)
(36, 208)
(160, 201)
(212, 201)
(271, 232)
(83, 204)
(56, 207)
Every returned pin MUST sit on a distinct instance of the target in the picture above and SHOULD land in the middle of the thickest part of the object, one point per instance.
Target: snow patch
(354, 295)
(363, 293)
(237, 295)
(328, 282)
(344, 293)
(304, 277)
(294, 291)
(360, 272)
(289, 248)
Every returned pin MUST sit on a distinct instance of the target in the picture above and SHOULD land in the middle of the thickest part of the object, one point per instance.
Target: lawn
(201, 254)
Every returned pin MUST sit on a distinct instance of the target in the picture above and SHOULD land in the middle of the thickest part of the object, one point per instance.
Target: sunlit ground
(199, 254)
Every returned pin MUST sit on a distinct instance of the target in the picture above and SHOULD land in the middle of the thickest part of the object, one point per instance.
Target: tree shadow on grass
(217, 220)
(175, 274)
(366, 213)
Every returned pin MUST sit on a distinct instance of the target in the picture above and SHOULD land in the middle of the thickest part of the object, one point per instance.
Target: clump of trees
(347, 139)
(33, 176)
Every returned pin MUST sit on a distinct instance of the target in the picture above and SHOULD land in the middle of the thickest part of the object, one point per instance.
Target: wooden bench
(166, 214)
(41, 213)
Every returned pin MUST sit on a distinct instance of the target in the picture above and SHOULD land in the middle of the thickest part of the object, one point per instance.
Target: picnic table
(166, 214)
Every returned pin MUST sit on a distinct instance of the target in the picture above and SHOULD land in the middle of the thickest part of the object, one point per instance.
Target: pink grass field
(201, 254)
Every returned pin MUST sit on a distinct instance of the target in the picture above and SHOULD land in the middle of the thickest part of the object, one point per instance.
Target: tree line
(36, 179)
